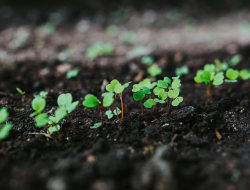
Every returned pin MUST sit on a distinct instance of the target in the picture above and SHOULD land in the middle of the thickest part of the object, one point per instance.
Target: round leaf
(149, 103)
(90, 101)
(108, 101)
(173, 93)
(54, 129)
(111, 87)
(41, 120)
(118, 110)
(60, 113)
(3, 115)
(96, 125)
(139, 95)
(4, 131)
(119, 88)
(232, 74)
(38, 104)
(64, 100)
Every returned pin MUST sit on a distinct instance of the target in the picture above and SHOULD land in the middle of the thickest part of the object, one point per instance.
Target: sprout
(91, 102)
(72, 73)
(182, 71)
(4, 129)
(43, 94)
(96, 125)
(129, 37)
(112, 30)
(232, 75)
(210, 78)
(154, 70)
(65, 101)
(235, 60)
(220, 66)
(110, 113)
(147, 60)
(116, 87)
(245, 74)
(99, 49)
(149, 103)
(20, 91)
(38, 104)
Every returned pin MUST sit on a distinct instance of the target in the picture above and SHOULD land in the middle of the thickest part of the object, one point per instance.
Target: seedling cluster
(99, 49)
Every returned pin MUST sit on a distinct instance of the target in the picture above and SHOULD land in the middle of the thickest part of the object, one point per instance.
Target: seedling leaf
(119, 88)
(64, 100)
(41, 120)
(154, 70)
(139, 95)
(90, 101)
(149, 103)
(109, 113)
(173, 93)
(3, 115)
(53, 129)
(20, 91)
(111, 87)
(38, 104)
(177, 101)
(4, 131)
(96, 125)
(72, 73)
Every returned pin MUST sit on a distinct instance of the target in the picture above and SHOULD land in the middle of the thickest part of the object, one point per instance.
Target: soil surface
(192, 147)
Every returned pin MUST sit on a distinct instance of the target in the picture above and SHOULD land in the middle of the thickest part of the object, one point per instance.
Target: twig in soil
(218, 135)
(45, 134)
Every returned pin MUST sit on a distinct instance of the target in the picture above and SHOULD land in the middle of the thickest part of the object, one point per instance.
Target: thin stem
(167, 105)
(47, 129)
(3, 149)
(59, 137)
(121, 104)
(102, 115)
(73, 129)
(116, 107)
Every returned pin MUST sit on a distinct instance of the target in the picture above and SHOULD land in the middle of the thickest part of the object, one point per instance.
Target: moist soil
(193, 147)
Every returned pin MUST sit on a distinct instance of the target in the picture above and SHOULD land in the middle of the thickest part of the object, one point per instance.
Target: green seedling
(129, 37)
(220, 66)
(96, 125)
(20, 91)
(147, 60)
(38, 104)
(154, 70)
(65, 101)
(72, 73)
(210, 78)
(110, 113)
(149, 103)
(43, 94)
(245, 74)
(112, 30)
(4, 129)
(235, 60)
(91, 101)
(182, 71)
(116, 87)
(99, 49)
(232, 76)
(60, 113)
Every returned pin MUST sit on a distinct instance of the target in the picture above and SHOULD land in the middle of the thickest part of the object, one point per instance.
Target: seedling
(110, 113)
(38, 104)
(112, 30)
(129, 37)
(4, 129)
(182, 71)
(116, 87)
(232, 76)
(91, 102)
(209, 77)
(149, 103)
(65, 101)
(147, 60)
(72, 73)
(154, 70)
(20, 91)
(99, 49)
(220, 66)
(245, 74)
(96, 125)
(42, 94)
(235, 60)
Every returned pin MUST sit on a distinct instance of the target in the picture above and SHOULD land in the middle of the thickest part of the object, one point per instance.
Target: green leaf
(232, 74)
(235, 60)
(52, 120)
(230, 81)
(245, 74)
(177, 101)
(20, 91)
(139, 95)
(53, 129)
(162, 84)
(159, 101)
(176, 84)
(43, 94)
(72, 73)
(90, 101)
(154, 70)
(4, 131)
(126, 84)
(72, 106)
(147, 60)
(96, 125)
(145, 90)
(163, 95)
(3, 115)
(149, 103)
(173, 93)
(209, 67)
(41, 120)
(167, 80)
(182, 71)
(119, 88)
(109, 113)
(205, 77)
(38, 104)
(197, 77)
(157, 90)
(118, 110)
(136, 88)
(108, 100)
(60, 113)
(111, 87)
(64, 100)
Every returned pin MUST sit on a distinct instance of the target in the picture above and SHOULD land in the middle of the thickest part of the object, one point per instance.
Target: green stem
(116, 107)
(73, 129)
(121, 104)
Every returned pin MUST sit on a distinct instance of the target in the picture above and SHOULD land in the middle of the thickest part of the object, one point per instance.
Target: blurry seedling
(72, 73)
(210, 78)
(245, 74)
(65, 101)
(116, 87)
(91, 101)
(99, 49)
(43, 94)
(4, 129)
(154, 70)
(112, 30)
(232, 76)
(110, 113)
(129, 37)
(96, 125)
(182, 71)
(235, 60)
(20, 91)
(147, 60)
(220, 66)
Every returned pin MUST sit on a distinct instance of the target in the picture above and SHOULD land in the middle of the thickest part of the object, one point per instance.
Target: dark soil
(192, 147)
